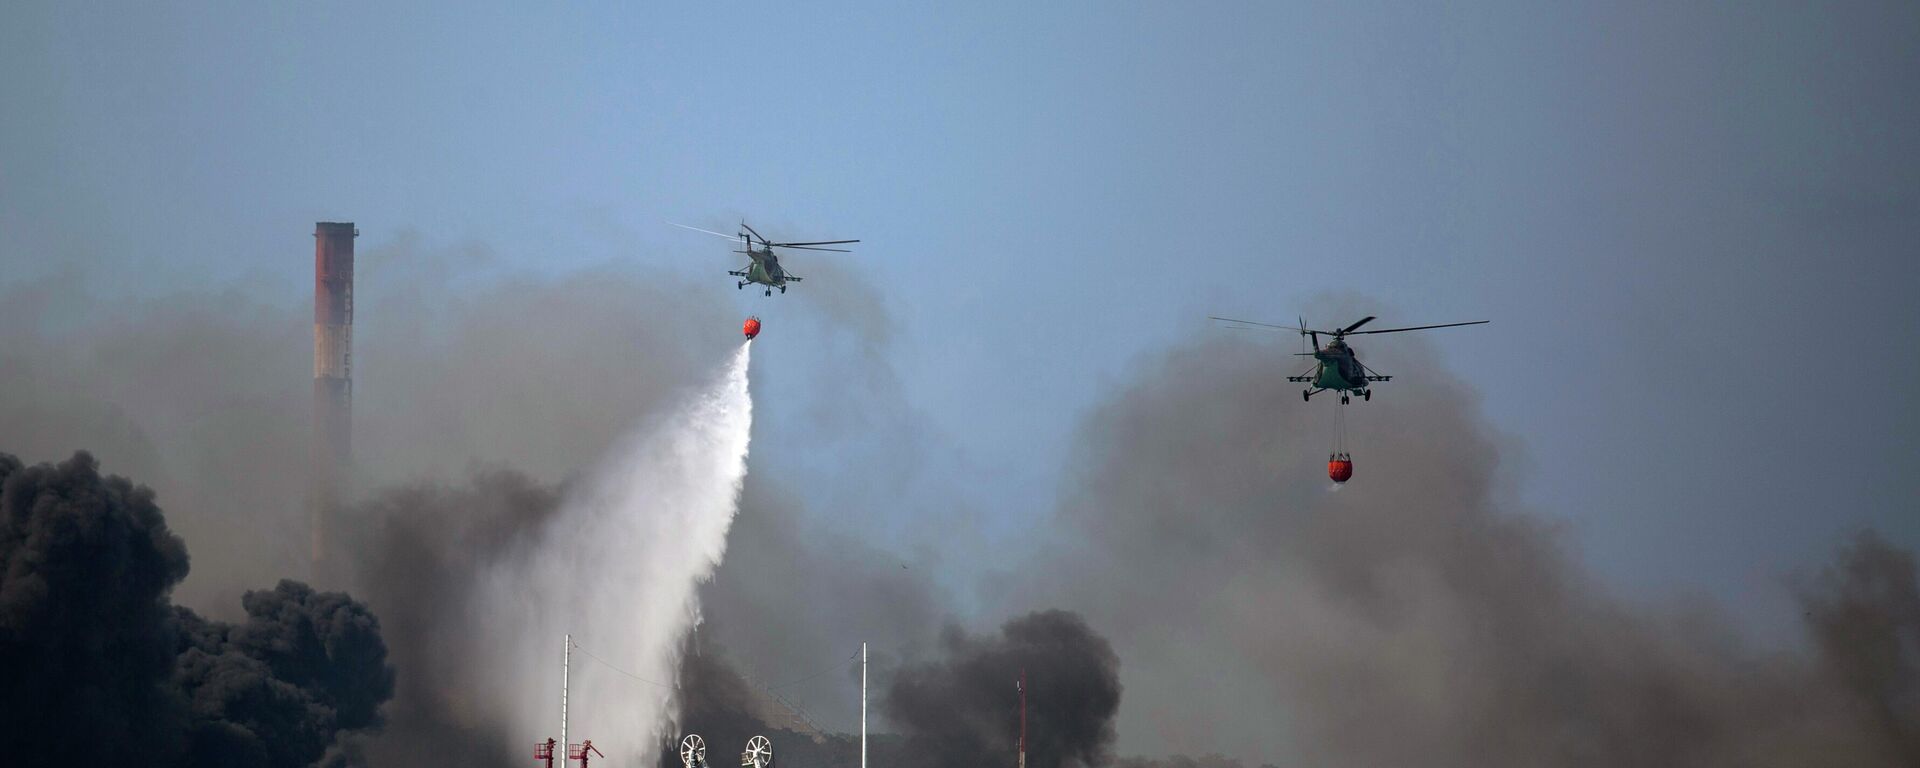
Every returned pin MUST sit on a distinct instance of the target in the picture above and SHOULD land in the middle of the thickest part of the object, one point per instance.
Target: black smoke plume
(86, 633)
(99, 668)
(962, 709)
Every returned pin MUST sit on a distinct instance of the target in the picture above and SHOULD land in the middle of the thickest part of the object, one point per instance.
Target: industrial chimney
(332, 375)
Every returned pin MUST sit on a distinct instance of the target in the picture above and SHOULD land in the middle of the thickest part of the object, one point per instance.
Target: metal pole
(863, 705)
(566, 665)
(1023, 718)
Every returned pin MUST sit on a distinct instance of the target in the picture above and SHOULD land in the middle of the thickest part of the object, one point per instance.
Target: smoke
(276, 689)
(617, 567)
(1864, 613)
(206, 395)
(1210, 760)
(799, 592)
(86, 634)
(726, 709)
(421, 553)
(98, 667)
(1421, 600)
(1420, 616)
(960, 709)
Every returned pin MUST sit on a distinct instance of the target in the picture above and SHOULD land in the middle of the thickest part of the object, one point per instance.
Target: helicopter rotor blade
(822, 242)
(708, 231)
(756, 235)
(1423, 327)
(807, 248)
(1363, 321)
(1264, 325)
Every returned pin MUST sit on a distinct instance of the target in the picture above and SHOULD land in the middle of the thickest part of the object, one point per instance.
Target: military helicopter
(1337, 366)
(764, 267)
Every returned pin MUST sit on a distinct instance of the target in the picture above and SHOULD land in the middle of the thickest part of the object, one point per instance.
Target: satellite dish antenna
(759, 753)
(693, 751)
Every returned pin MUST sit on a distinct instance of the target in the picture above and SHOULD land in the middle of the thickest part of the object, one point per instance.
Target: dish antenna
(693, 751)
(759, 753)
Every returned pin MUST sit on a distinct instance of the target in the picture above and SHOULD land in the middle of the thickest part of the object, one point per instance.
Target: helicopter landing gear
(739, 285)
(769, 291)
(1367, 395)
(1344, 400)
(783, 289)
(1307, 395)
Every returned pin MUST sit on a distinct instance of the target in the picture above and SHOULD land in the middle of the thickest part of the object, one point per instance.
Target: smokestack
(332, 375)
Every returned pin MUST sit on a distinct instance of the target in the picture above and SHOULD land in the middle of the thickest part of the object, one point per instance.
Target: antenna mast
(863, 705)
(566, 665)
(1023, 718)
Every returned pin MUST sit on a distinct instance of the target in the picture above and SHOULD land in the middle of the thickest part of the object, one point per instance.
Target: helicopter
(764, 267)
(1337, 366)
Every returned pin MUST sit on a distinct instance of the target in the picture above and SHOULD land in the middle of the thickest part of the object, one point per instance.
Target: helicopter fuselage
(1339, 369)
(765, 269)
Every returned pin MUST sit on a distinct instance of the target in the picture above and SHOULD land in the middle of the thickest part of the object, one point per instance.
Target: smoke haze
(422, 551)
(1421, 601)
(1421, 616)
(206, 395)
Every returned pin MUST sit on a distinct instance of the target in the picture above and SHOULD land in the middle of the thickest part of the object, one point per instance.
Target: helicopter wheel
(1307, 395)
(769, 291)
(1344, 400)
(783, 289)
(738, 286)
(1367, 395)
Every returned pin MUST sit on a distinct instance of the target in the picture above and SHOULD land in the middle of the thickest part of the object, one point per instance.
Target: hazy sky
(1694, 226)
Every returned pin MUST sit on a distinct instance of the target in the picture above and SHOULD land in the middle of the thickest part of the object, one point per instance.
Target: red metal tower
(544, 752)
(579, 752)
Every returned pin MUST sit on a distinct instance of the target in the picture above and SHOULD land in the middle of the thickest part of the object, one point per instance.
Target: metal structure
(863, 705)
(1337, 365)
(566, 668)
(758, 754)
(763, 265)
(543, 752)
(693, 751)
(332, 376)
(1022, 685)
(579, 752)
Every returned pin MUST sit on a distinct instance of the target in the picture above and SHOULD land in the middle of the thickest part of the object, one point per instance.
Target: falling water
(617, 568)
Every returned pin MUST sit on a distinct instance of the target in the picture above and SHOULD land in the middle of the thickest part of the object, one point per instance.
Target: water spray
(617, 568)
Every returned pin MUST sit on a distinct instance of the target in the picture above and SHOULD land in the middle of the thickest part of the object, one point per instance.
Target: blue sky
(1693, 226)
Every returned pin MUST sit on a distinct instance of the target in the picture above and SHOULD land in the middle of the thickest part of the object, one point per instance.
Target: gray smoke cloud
(1864, 614)
(421, 550)
(786, 599)
(1421, 616)
(207, 395)
(1259, 616)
